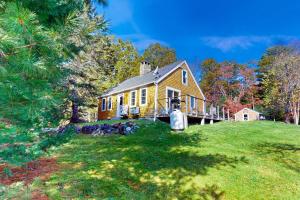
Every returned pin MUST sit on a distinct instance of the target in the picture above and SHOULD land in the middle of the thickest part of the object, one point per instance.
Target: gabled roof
(143, 80)
(247, 109)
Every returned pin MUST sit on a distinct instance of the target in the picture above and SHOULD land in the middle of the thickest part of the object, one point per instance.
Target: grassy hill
(255, 160)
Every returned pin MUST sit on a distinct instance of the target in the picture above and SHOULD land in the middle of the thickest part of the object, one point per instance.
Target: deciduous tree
(159, 56)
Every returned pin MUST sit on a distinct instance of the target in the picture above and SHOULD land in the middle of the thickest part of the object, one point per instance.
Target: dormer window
(184, 77)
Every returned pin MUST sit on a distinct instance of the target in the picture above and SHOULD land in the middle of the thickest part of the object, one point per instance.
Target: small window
(246, 117)
(193, 103)
(184, 77)
(109, 103)
(103, 108)
(133, 98)
(143, 95)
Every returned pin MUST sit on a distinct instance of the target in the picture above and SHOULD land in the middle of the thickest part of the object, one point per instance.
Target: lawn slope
(255, 160)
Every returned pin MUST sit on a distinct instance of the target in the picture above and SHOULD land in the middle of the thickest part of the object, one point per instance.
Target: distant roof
(146, 79)
(248, 109)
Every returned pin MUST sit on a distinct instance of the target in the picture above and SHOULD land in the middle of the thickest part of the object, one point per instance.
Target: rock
(106, 129)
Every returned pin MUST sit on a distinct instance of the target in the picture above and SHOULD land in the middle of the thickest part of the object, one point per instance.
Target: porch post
(228, 115)
(186, 104)
(203, 121)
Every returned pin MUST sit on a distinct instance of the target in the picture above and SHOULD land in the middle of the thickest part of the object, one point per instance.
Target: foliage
(103, 63)
(226, 160)
(158, 55)
(228, 84)
(279, 71)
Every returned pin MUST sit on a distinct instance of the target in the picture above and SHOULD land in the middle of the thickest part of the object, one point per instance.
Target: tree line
(272, 87)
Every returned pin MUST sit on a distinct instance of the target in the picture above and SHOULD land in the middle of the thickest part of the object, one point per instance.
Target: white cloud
(226, 44)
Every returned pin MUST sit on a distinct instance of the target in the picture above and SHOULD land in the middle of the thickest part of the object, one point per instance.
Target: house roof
(143, 80)
(247, 109)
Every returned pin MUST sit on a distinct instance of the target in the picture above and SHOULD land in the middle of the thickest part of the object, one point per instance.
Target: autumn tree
(158, 55)
(228, 84)
(268, 86)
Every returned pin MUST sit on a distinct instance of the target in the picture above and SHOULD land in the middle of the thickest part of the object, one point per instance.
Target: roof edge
(131, 88)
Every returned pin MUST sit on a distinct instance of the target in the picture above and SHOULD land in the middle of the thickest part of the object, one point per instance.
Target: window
(109, 103)
(133, 98)
(184, 77)
(103, 108)
(143, 96)
(245, 117)
(193, 103)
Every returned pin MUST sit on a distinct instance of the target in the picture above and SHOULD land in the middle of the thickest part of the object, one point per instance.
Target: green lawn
(255, 160)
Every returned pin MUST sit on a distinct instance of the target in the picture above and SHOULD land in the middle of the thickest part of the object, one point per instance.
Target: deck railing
(214, 112)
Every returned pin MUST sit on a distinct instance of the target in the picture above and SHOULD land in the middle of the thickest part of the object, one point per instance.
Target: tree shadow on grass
(286, 154)
(147, 164)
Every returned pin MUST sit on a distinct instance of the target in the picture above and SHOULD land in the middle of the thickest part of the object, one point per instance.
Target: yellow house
(149, 94)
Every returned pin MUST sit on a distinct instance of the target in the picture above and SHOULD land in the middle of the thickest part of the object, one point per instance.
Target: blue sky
(238, 30)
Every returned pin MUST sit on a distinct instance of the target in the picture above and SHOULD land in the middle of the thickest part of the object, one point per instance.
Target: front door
(120, 102)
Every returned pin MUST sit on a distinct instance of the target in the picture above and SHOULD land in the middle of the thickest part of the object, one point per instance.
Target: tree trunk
(296, 111)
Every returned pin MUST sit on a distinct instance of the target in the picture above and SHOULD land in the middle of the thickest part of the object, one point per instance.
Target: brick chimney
(144, 68)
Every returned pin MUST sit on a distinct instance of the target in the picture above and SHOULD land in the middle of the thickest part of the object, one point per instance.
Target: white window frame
(111, 103)
(130, 105)
(146, 97)
(195, 106)
(174, 90)
(182, 77)
(103, 107)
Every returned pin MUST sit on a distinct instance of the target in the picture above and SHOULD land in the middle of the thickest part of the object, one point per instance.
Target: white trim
(118, 107)
(170, 72)
(146, 100)
(155, 101)
(111, 103)
(171, 88)
(187, 77)
(130, 98)
(102, 104)
(127, 89)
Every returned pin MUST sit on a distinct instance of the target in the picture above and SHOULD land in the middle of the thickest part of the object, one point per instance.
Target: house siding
(174, 80)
